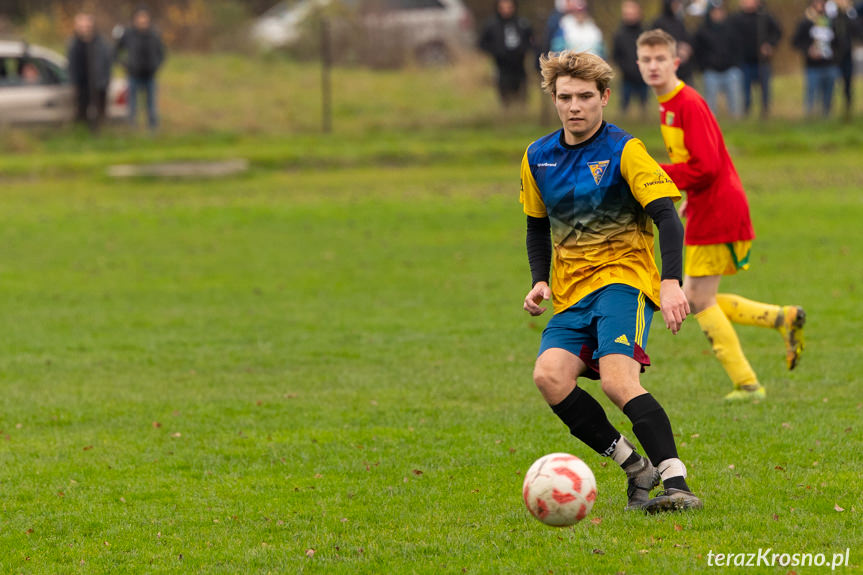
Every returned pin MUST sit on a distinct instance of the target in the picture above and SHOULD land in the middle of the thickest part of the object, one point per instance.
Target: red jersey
(717, 210)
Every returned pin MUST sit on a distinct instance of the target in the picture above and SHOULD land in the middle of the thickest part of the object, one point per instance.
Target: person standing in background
(577, 31)
(760, 34)
(718, 51)
(671, 21)
(89, 60)
(848, 26)
(142, 53)
(815, 37)
(508, 39)
(625, 55)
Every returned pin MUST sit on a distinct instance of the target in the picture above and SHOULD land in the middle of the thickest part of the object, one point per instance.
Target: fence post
(326, 70)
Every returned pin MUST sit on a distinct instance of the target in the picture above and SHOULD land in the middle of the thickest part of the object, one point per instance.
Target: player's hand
(682, 209)
(540, 292)
(673, 304)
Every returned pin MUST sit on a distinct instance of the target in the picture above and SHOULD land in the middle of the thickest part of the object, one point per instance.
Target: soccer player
(593, 189)
(718, 229)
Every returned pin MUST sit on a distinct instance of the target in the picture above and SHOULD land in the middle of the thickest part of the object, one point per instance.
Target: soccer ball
(559, 489)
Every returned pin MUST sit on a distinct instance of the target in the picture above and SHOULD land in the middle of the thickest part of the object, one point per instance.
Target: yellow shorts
(717, 259)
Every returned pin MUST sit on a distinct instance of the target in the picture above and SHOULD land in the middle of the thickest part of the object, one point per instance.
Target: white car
(379, 31)
(44, 95)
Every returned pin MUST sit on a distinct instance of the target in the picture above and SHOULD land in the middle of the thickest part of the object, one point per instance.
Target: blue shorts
(613, 319)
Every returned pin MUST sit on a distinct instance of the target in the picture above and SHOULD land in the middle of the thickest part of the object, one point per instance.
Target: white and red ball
(559, 489)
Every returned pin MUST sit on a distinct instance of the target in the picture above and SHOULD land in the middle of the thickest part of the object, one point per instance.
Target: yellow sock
(747, 312)
(726, 347)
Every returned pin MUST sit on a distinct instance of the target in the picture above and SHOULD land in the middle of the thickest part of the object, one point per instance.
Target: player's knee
(547, 379)
(697, 302)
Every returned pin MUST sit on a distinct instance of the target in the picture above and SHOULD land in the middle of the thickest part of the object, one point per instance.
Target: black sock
(633, 458)
(651, 426)
(677, 482)
(587, 421)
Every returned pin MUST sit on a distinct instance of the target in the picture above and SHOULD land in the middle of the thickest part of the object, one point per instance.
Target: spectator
(552, 25)
(577, 31)
(671, 21)
(29, 73)
(89, 70)
(143, 55)
(507, 39)
(625, 55)
(760, 34)
(815, 37)
(719, 51)
(847, 23)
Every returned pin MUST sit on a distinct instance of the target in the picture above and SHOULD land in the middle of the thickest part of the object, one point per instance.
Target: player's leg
(727, 259)
(622, 326)
(705, 266)
(650, 424)
(788, 320)
(566, 352)
(701, 292)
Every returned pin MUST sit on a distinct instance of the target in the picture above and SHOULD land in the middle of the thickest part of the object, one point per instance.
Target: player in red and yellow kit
(718, 230)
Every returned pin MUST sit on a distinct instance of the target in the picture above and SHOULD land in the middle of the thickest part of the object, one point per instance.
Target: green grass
(322, 365)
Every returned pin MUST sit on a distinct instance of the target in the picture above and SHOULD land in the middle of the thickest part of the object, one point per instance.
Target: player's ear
(605, 95)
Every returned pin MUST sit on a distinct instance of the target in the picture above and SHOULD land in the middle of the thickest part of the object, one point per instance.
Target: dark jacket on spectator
(675, 26)
(624, 52)
(756, 29)
(507, 41)
(89, 63)
(718, 45)
(144, 51)
(816, 30)
(848, 27)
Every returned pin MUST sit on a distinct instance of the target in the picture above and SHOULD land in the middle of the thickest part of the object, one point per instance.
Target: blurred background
(255, 66)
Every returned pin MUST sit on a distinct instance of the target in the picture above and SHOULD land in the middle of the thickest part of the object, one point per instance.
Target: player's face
(579, 105)
(658, 67)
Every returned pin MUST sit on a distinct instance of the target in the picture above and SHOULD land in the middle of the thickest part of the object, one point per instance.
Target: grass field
(322, 366)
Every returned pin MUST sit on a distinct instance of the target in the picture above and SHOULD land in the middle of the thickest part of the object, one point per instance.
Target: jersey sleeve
(530, 196)
(702, 139)
(647, 180)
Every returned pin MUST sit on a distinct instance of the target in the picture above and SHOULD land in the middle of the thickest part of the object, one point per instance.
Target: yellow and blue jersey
(594, 195)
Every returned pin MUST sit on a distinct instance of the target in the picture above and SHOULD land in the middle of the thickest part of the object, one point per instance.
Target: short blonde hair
(657, 37)
(582, 65)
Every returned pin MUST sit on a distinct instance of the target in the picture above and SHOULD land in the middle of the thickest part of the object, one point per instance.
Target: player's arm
(539, 257)
(538, 240)
(672, 301)
(702, 141)
(653, 189)
(667, 221)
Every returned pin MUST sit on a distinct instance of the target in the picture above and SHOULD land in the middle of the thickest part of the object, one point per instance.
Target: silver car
(35, 88)
(385, 32)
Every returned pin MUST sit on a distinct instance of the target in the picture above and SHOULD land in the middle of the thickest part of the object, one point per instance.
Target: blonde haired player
(591, 194)
(719, 232)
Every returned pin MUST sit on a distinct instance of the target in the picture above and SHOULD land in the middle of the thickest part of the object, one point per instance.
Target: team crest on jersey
(597, 170)
(669, 118)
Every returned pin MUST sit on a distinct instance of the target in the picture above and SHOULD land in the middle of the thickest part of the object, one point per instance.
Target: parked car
(374, 31)
(46, 96)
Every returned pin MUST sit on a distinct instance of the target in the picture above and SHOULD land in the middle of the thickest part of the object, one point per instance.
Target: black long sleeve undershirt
(664, 215)
(539, 248)
(661, 211)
